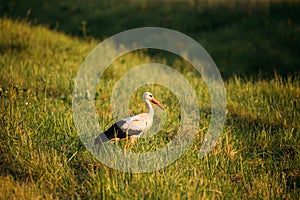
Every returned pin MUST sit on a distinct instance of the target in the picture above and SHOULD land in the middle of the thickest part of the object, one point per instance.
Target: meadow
(257, 155)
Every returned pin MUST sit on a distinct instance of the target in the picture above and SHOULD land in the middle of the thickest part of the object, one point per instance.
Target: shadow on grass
(249, 39)
(269, 143)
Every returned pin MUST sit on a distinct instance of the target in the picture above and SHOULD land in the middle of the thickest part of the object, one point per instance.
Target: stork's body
(131, 127)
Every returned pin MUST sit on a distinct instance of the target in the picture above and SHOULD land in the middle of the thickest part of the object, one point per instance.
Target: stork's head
(147, 96)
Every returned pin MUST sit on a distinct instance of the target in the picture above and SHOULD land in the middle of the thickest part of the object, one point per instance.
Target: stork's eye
(150, 95)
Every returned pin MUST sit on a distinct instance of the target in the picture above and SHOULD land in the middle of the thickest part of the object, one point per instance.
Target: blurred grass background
(249, 38)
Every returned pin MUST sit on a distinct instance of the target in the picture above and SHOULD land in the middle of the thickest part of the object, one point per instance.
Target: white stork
(131, 127)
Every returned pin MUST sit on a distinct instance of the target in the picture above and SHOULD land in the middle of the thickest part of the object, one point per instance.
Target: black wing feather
(113, 132)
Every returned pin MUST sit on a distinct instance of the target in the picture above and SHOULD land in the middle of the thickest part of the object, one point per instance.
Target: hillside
(248, 38)
(41, 156)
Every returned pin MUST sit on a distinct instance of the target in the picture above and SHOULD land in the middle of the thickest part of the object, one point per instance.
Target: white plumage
(133, 126)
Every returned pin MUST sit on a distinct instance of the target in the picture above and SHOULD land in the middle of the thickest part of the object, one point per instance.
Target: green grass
(41, 156)
(249, 38)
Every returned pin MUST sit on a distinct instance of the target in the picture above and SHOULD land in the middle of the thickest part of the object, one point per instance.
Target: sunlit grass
(248, 37)
(41, 156)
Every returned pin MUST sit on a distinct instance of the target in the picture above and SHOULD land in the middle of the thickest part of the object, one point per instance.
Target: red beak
(157, 103)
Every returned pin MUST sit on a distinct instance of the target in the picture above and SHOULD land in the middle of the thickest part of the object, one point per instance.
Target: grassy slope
(41, 155)
(242, 36)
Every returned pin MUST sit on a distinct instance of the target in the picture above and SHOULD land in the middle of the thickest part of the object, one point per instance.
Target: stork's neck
(149, 106)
